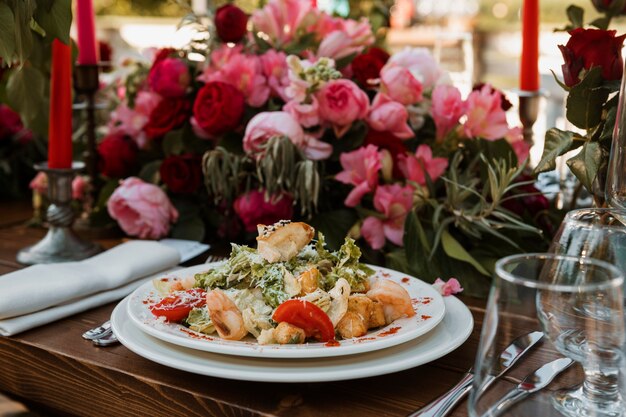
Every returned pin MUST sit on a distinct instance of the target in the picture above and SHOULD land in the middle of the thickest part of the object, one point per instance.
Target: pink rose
(360, 168)
(413, 166)
(306, 114)
(281, 20)
(453, 286)
(393, 202)
(141, 209)
(130, 122)
(422, 65)
(266, 125)
(447, 108)
(169, 77)
(39, 183)
(515, 137)
(242, 71)
(341, 103)
(252, 208)
(399, 84)
(387, 115)
(485, 117)
(351, 39)
(275, 70)
(79, 187)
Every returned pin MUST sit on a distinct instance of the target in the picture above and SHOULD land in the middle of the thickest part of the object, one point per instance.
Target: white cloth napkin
(27, 295)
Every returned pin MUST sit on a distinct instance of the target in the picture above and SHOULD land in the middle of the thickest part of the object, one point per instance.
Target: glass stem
(602, 385)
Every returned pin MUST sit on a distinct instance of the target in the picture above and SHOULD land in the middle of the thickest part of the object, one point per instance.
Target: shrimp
(394, 298)
(225, 315)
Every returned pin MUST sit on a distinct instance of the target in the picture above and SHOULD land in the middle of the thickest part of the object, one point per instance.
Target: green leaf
(556, 144)
(397, 260)
(559, 82)
(586, 163)
(335, 225)
(609, 125)
(585, 100)
(173, 143)
(7, 33)
(416, 245)
(455, 250)
(189, 229)
(575, 15)
(150, 172)
(55, 17)
(601, 23)
(25, 91)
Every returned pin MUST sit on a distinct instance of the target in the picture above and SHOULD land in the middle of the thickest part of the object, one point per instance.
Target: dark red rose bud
(10, 122)
(167, 115)
(117, 156)
(367, 66)
(162, 54)
(605, 5)
(182, 174)
(588, 48)
(218, 108)
(230, 23)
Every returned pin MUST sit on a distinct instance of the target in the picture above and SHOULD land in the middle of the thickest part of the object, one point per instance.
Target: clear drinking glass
(578, 304)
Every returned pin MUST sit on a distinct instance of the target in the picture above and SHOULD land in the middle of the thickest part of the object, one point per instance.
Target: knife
(444, 404)
(535, 381)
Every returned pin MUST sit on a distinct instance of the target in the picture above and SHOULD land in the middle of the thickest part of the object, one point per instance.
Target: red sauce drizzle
(385, 274)
(332, 343)
(405, 280)
(164, 279)
(389, 332)
(425, 317)
(364, 339)
(194, 334)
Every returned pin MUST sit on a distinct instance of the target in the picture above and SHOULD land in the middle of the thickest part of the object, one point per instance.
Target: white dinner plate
(450, 334)
(428, 304)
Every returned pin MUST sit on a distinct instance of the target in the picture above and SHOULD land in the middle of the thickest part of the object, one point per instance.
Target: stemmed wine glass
(578, 304)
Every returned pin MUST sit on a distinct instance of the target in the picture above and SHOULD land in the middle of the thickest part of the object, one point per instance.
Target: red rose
(10, 122)
(167, 115)
(218, 108)
(118, 156)
(252, 209)
(367, 66)
(182, 174)
(605, 5)
(162, 54)
(588, 48)
(230, 23)
(169, 77)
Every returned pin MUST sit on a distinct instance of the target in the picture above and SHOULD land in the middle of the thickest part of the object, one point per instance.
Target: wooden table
(52, 369)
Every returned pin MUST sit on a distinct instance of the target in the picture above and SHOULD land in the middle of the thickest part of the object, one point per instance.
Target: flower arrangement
(592, 70)
(304, 117)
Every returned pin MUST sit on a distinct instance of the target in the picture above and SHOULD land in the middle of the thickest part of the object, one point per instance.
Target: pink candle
(529, 68)
(60, 128)
(85, 21)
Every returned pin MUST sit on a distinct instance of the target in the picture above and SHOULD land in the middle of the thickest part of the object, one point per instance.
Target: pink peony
(422, 65)
(169, 77)
(266, 125)
(360, 168)
(306, 114)
(515, 137)
(447, 108)
(393, 202)
(453, 286)
(141, 209)
(281, 20)
(413, 167)
(242, 71)
(39, 183)
(485, 117)
(387, 115)
(275, 70)
(252, 208)
(341, 103)
(399, 84)
(130, 122)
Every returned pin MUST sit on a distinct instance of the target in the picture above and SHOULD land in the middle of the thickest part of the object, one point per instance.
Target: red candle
(85, 21)
(60, 128)
(529, 68)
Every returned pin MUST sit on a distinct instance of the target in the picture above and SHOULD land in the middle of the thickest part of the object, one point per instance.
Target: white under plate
(427, 302)
(450, 334)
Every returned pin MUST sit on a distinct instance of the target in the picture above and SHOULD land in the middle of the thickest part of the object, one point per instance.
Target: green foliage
(585, 100)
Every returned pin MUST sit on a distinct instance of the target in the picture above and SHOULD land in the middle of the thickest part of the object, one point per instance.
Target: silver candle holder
(60, 244)
(529, 111)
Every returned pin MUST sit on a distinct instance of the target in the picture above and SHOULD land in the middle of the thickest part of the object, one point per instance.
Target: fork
(101, 335)
(214, 258)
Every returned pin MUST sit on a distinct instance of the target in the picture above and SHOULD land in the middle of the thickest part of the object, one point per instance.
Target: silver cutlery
(214, 258)
(535, 381)
(98, 332)
(444, 404)
(107, 340)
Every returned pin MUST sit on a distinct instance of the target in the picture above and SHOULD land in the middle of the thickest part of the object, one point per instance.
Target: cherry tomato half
(176, 306)
(306, 316)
